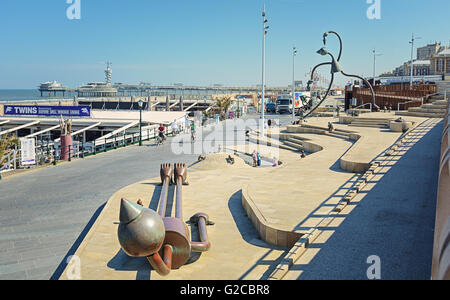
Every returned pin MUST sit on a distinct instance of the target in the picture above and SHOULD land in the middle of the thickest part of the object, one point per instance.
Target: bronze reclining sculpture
(164, 241)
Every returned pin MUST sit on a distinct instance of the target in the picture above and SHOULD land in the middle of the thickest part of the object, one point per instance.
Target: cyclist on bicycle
(162, 131)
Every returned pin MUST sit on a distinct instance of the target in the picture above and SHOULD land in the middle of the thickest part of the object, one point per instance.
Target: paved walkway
(392, 218)
(38, 231)
(46, 213)
(215, 188)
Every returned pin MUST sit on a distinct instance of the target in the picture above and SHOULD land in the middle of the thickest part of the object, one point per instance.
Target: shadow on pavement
(394, 220)
(62, 266)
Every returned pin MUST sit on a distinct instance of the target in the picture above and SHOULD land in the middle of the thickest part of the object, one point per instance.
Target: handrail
(8, 157)
(402, 103)
(422, 99)
(362, 105)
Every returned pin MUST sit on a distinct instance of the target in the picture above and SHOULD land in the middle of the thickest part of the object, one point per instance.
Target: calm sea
(26, 95)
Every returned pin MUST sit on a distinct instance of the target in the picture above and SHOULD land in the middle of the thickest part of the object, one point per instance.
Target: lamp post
(265, 28)
(412, 59)
(375, 54)
(141, 104)
(294, 53)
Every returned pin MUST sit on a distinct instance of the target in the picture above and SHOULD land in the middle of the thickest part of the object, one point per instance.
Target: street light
(375, 54)
(265, 29)
(294, 53)
(141, 105)
(412, 58)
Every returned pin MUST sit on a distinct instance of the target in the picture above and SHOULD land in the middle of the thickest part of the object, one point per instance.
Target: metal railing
(51, 153)
(365, 104)
(422, 99)
(9, 161)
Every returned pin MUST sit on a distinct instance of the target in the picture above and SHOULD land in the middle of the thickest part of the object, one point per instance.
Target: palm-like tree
(6, 144)
(223, 103)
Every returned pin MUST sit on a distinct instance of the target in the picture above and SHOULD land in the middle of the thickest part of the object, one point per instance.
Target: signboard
(47, 111)
(28, 149)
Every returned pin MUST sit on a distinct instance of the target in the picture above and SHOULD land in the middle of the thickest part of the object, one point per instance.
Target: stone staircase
(443, 86)
(370, 122)
(297, 143)
(435, 108)
(293, 144)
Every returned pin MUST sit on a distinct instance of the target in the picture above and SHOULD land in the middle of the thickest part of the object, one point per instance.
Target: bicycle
(160, 140)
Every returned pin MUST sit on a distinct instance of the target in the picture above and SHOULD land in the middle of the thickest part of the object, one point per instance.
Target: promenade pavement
(391, 218)
(216, 188)
(45, 213)
(58, 211)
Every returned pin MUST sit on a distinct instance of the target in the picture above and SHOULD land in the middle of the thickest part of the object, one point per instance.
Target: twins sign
(47, 111)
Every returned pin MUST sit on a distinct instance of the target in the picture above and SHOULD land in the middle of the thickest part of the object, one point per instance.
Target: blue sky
(204, 42)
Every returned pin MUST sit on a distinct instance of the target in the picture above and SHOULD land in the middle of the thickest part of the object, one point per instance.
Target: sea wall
(441, 249)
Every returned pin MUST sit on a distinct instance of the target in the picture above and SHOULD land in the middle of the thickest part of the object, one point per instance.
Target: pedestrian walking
(193, 126)
(187, 124)
(174, 127)
(255, 159)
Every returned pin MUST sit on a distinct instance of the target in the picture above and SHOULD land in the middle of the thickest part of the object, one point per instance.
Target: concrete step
(427, 110)
(434, 106)
(372, 120)
(419, 114)
(326, 128)
(443, 85)
(293, 145)
(439, 102)
(338, 135)
(295, 141)
(285, 147)
(368, 125)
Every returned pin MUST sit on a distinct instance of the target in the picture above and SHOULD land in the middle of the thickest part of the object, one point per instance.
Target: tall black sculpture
(335, 68)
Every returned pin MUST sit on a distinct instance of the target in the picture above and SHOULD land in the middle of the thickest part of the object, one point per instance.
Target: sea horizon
(27, 95)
